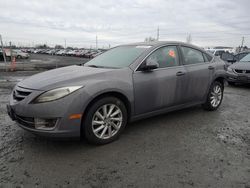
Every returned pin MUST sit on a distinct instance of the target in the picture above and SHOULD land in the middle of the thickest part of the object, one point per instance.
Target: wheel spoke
(213, 102)
(110, 131)
(99, 128)
(104, 131)
(110, 110)
(104, 108)
(95, 122)
(115, 113)
(116, 119)
(114, 125)
(99, 115)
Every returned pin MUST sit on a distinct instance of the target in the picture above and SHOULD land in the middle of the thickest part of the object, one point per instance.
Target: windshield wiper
(105, 67)
(95, 66)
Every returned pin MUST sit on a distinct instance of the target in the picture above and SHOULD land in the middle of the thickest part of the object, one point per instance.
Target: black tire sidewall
(87, 123)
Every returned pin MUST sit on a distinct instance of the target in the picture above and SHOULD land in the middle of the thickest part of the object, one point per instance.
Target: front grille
(242, 71)
(20, 93)
(25, 121)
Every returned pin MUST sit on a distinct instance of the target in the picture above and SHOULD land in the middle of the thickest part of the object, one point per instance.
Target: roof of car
(160, 43)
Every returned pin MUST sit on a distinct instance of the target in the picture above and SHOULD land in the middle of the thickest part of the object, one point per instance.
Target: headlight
(56, 94)
(229, 69)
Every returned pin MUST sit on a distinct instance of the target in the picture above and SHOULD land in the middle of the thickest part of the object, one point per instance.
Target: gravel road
(187, 148)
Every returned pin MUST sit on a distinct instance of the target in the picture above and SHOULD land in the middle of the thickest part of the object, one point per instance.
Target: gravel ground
(187, 148)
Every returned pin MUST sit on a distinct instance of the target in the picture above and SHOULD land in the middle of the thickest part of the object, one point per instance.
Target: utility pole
(4, 57)
(65, 42)
(242, 43)
(189, 38)
(158, 33)
(96, 42)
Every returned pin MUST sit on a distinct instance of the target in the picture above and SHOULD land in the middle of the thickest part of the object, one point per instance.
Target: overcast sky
(210, 22)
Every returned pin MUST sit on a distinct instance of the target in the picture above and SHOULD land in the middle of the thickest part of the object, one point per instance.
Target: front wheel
(104, 120)
(214, 97)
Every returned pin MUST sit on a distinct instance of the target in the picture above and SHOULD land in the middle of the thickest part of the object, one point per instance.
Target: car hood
(66, 76)
(241, 66)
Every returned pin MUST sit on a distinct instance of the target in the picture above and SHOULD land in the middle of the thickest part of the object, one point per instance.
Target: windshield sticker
(143, 46)
(171, 53)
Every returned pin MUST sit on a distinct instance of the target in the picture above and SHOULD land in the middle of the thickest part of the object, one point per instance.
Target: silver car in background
(239, 72)
(124, 84)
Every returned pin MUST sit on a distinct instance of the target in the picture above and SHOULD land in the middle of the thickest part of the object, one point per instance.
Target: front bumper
(24, 113)
(238, 78)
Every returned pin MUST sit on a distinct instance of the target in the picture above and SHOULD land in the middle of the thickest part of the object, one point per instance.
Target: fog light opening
(45, 124)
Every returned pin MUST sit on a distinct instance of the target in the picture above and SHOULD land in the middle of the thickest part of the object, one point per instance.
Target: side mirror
(150, 65)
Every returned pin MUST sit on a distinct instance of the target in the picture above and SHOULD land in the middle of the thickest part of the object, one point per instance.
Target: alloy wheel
(107, 121)
(216, 96)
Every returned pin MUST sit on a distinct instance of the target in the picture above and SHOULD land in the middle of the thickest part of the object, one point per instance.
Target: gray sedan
(124, 84)
(239, 72)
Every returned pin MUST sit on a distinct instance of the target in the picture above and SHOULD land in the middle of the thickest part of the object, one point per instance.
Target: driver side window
(165, 57)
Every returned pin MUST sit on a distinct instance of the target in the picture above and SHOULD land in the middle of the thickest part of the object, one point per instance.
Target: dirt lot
(188, 148)
(42, 62)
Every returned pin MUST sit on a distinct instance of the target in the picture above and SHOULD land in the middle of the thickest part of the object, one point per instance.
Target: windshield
(118, 57)
(246, 58)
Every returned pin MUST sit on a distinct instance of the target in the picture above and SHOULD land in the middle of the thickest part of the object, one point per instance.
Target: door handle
(211, 67)
(180, 73)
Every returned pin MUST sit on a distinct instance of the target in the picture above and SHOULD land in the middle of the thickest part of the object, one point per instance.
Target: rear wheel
(105, 120)
(214, 97)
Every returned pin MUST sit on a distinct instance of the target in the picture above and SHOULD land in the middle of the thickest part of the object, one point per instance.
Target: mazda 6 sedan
(124, 84)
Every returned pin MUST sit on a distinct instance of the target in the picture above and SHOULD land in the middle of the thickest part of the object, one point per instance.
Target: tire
(214, 97)
(100, 129)
(231, 83)
(18, 57)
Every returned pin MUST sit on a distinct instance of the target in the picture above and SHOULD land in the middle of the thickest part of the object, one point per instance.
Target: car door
(199, 73)
(162, 87)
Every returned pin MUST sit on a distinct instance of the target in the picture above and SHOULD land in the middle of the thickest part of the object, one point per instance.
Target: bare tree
(149, 39)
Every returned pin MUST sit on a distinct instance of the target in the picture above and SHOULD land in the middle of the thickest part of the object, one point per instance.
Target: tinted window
(192, 56)
(165, 57)
(118, 57)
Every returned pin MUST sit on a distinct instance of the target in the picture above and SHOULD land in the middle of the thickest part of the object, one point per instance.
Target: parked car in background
(239, 56)
(126, 83)
(19, 54)
(239, 72)
(232, 58)
(216, 52)
(96, 54)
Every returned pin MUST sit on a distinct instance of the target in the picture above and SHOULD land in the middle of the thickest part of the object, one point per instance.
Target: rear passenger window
(192, 56)
(165, 56)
